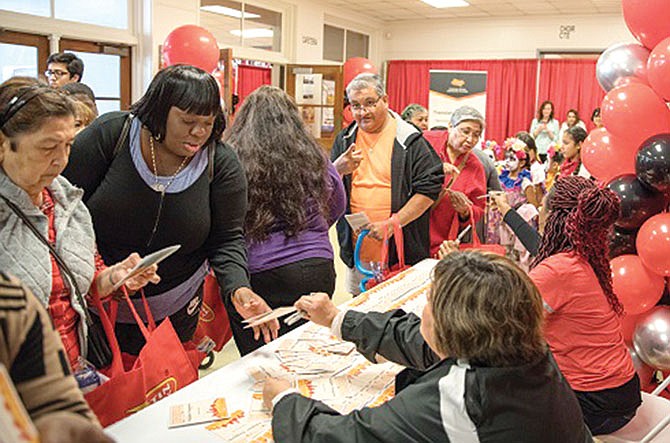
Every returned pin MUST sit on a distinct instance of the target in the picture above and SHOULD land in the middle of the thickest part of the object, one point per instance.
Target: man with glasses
(63, 68)
(464, 193)
(388, 168)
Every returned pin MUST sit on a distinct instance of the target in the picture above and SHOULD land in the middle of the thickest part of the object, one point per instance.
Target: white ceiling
(397, 10)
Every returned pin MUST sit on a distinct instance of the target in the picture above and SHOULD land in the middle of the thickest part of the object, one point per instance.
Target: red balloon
(623, 81)
(647, 20)
(653, 244)
(637, 288)
(634, 112)
(355, 66)
(606, 156)
(658, 69)
(191, 45)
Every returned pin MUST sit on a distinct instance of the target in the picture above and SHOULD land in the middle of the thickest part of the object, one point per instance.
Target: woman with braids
(295, 195)
(582, 312)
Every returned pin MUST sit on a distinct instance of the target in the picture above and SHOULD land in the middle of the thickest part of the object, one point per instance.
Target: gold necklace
(159, 187)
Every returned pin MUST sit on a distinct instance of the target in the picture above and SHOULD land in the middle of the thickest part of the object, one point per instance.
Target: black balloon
(622, 242)
(638, 202)
(652, 164)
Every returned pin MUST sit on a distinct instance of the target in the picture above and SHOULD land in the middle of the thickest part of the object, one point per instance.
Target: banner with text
(449, 90)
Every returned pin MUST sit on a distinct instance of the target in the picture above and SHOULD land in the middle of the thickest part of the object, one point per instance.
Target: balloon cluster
(632, 155)
(193, 45)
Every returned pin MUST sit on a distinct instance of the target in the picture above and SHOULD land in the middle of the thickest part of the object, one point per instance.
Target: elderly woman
(39, 206)
(464, 181)
(416, 115)
(485, 371)
(295, 195)
(160, 176)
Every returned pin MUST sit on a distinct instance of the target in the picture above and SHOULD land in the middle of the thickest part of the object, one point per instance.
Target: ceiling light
(253, 33)
(446, 3)
(230, 12)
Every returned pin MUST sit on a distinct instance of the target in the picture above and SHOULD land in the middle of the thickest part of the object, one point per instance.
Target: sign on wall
(449, 90)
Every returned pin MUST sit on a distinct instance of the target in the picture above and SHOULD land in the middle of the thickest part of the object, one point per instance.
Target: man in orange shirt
(387, 168)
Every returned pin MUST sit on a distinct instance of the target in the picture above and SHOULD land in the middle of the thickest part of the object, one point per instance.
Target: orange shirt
(371, 182)
(581, 328)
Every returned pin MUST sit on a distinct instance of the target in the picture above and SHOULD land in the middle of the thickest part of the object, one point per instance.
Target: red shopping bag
(476, 243)
(390, 271)
(213, 322)
(162, 367)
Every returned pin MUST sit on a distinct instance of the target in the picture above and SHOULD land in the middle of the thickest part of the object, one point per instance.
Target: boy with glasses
(63, 68)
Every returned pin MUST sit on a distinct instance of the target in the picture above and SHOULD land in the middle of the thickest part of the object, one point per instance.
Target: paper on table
(198, 412)
(149, 260)
(357, 221)
(274, 314)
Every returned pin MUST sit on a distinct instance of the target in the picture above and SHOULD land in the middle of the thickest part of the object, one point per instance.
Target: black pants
(184, 322)
(282, 286)
(609, 410)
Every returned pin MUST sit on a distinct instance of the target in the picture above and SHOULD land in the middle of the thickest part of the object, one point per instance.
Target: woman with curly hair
(295, 195)
(583, 313)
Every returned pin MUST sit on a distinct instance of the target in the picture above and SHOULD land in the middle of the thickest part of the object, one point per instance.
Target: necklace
(158, 186)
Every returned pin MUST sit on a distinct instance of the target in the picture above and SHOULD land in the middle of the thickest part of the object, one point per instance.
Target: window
(342, 44)
(22, 54)
(110, 13)
(241, 24)
(333, 43)
(106, 71)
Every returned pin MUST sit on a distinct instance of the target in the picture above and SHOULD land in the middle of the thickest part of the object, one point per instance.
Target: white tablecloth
(232, 381)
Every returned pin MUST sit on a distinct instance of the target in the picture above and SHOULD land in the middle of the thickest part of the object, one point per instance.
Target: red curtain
(249, 78)
(510, 89)
(570, 84)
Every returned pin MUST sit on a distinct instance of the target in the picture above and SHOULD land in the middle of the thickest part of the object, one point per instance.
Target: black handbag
(99, 353)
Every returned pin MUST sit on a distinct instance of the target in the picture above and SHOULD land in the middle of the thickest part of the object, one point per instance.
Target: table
(407, 290)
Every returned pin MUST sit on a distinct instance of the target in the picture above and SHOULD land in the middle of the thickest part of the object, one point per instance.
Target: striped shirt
(32, 351)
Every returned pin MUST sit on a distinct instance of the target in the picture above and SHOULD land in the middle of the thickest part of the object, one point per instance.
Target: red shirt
(582, 330)
(65, 318)
(471, 181)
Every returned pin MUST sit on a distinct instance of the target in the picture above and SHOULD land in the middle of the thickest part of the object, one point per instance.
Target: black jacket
(450, 401)
(415, 169)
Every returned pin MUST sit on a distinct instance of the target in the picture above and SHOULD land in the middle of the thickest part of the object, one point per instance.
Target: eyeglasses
(368, 105)
(55, 72)
(469, 133)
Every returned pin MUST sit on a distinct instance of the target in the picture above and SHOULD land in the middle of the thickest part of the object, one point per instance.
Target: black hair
(186, 87)
(77, 89)
(577, 133)
(75, 66)
(528, 140)
(596, 113)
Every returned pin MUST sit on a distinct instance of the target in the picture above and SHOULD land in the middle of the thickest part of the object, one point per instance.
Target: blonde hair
(486, 310)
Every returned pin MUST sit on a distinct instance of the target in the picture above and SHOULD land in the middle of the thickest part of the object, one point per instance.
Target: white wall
(499, 38)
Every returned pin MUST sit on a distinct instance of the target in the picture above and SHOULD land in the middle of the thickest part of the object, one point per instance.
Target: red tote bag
(213, 322)
(135, 383)
(389, 272)
(476, 243)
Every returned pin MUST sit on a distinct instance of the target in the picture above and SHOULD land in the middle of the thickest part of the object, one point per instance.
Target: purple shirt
(278, 250)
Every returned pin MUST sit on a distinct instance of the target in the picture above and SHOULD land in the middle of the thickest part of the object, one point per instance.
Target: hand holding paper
(249, 304)
(318, 308)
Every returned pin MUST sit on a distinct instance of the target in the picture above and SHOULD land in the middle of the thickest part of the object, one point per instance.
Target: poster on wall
(308, 89)
(449, 90)
(311, 116)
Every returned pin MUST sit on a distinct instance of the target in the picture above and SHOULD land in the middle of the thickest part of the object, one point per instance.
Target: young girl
(571, 150)
(485, 371)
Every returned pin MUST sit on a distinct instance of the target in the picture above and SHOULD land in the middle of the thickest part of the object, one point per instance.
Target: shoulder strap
(59, 261)
(123, 136)
(211, 150)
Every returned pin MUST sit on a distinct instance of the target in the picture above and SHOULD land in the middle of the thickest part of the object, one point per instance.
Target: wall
(500, 37)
